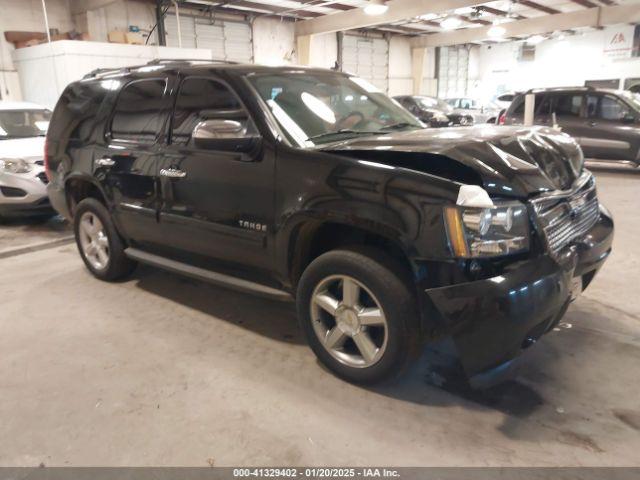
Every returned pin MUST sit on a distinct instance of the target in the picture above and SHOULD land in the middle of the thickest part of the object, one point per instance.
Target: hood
(30, 149)
(505, 161)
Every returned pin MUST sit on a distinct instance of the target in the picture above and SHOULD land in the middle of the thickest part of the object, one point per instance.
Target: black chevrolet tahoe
(309, 184)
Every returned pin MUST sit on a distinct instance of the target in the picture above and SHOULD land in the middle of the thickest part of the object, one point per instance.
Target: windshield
(316, 108)
(23, 123)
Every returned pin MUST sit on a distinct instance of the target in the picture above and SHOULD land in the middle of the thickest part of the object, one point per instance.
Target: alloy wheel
(349, 321)
(94, 241)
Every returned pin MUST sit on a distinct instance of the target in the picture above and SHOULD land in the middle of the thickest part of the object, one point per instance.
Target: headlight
(487, 232)
(14, 165)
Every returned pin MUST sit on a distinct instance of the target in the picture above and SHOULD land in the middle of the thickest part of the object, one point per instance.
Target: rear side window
(200, 99)
(138, 115)
(568, 105)
(75, 113)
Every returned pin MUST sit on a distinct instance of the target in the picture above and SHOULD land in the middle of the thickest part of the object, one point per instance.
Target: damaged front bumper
(492, 321)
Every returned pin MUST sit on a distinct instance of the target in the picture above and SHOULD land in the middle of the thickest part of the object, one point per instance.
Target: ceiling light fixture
(463, 10)
(496, 31)
(450, 23)
(376, 7)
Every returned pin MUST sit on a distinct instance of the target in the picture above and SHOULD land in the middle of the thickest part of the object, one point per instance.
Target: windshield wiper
(344, 131)
(398, 126)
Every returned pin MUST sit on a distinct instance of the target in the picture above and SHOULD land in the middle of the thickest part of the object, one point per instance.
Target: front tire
(99, 243)
(358, 312)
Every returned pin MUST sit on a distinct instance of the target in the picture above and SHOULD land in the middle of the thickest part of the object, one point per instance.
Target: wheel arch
(312, 238)
(79, 187)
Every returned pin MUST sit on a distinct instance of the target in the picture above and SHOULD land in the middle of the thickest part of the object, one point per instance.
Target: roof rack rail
(102, 71)
(161, 61)
(157, 61)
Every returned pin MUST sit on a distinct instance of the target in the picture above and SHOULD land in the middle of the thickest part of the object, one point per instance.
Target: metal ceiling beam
(499, 13)
(592, 17)
(585, 3)
(537, 6)
(398, 10)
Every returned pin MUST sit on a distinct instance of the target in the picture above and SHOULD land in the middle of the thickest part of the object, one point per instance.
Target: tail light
(502, 118)
(47, 169)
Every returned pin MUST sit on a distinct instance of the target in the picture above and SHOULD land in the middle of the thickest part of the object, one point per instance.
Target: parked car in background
(432, 111)
(606, 123)
(22, 174)
(481, 113)
(312, 185)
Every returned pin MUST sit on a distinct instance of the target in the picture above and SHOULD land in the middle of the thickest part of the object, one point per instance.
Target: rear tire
(99, 243)
(358, 311)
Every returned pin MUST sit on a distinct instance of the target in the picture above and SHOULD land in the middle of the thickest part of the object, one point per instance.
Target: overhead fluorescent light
(463, 11)
(535, 39)
(376, 7)
(496, 31)
(450, 23)
(428, 16)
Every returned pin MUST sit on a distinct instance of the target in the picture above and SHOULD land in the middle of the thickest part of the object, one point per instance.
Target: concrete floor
(161, 370)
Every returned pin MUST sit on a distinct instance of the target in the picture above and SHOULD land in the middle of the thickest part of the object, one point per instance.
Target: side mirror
(628, 118)
(225, 135)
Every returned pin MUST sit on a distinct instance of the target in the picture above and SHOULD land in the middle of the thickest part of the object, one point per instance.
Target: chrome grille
(562, 218)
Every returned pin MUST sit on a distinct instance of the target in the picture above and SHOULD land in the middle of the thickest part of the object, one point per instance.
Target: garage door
(453, 72)
(226, 40)
(368, 58)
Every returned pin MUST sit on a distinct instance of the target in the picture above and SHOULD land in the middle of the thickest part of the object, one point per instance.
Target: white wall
(400, 79)
(26, 15)
(118, 15)
(557, 63)
(273, 41)
(324, 50)
(45, 70)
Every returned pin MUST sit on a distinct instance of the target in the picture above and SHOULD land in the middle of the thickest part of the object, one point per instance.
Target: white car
(481, 113)
(22, 173)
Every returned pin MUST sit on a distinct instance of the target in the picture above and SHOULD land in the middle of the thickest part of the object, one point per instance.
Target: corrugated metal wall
(227, 40)
(368, 58)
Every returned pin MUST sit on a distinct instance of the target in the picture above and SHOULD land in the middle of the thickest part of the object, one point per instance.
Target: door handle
(173, 173)
(106, 162)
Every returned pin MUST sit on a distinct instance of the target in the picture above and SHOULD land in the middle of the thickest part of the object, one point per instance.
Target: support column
(418, 64)
(304, 49)
(162, 37)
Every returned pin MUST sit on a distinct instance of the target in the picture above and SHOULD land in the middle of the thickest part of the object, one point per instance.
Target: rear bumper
(492, 321)
(58, 200)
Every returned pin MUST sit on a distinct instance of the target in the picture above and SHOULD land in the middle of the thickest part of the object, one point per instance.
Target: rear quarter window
(139, 111)
(74, 115)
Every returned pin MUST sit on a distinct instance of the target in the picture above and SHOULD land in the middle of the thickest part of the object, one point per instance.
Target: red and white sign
(618, 42)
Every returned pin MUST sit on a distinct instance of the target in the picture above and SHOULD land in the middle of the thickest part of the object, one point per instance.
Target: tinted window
(568, 105)
(199, 99)
(75, 112)
(518, 107)
(543, 104)
(138, 113)
(519, 102)
(592, 106)
(612, 109)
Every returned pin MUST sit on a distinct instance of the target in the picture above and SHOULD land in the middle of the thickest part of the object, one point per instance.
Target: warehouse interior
(164, 370)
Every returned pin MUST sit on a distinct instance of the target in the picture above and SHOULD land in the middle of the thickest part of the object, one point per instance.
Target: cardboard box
(134, 38)
(116, 36)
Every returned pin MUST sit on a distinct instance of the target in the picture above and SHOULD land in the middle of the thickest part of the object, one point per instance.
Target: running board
(207, 275)
(626, 164)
